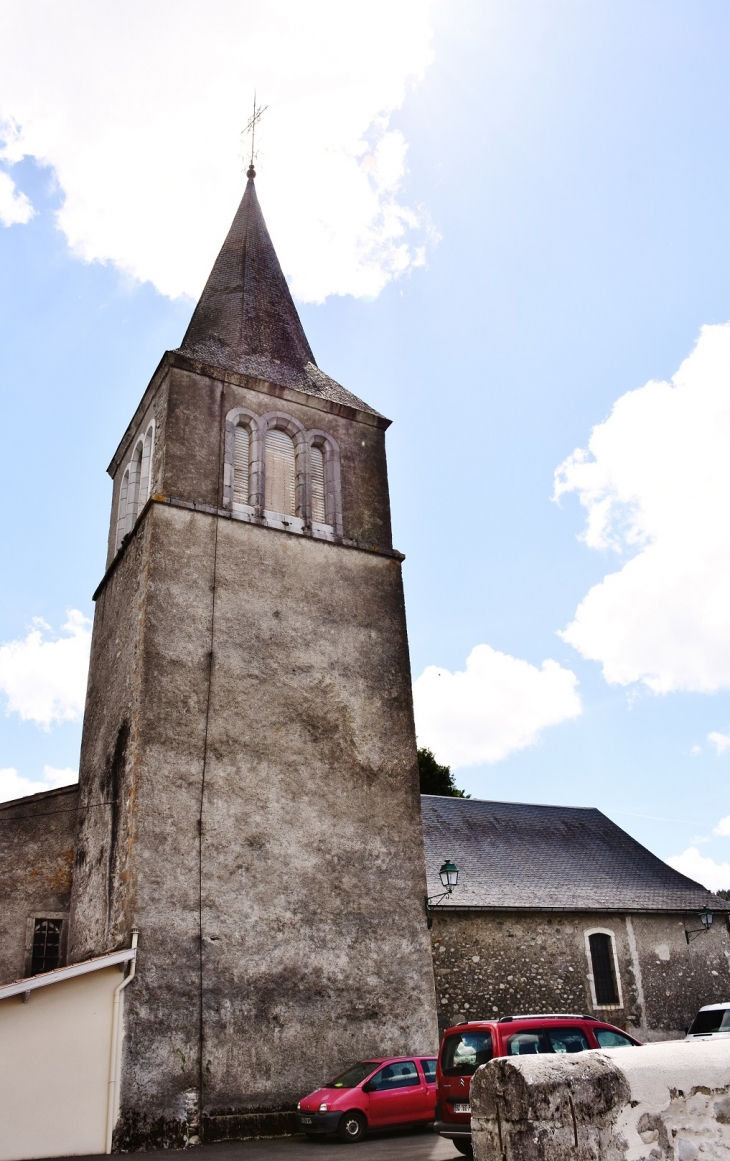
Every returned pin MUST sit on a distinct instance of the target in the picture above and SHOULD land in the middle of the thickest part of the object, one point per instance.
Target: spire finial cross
(258, 112)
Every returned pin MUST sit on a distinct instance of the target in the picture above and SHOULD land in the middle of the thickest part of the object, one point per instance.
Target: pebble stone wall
(492, 964)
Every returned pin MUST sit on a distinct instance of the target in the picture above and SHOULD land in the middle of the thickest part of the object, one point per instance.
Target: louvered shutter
(280, 474)
(240, 466)
(318, 508)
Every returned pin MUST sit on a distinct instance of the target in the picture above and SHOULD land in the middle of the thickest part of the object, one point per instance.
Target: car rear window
(352, 1077)
(608, 1038)
(716, 1020)
(547, 1040)
(463, 1052)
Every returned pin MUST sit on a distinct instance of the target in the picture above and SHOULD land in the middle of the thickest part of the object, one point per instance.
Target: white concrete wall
(54, 1068)
(662, 1102)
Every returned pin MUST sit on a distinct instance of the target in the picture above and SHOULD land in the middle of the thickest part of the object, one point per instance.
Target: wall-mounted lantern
(449, 876)
(706, 920)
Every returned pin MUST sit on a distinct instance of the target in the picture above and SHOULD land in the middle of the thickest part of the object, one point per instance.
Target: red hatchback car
(374, 1094)
(465, 1046)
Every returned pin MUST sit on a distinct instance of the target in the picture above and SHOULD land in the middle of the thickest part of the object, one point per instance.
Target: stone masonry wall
(36, 855)
(491, 964)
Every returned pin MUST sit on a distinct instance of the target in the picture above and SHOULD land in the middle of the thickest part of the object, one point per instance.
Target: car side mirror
(368, 1086)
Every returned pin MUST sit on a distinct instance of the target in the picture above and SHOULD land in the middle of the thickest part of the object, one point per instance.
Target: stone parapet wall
(662, 1102)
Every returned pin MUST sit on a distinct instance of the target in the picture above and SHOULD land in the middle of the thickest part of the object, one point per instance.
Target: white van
(711, 1023)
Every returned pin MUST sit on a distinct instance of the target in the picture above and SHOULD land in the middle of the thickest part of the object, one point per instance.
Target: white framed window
(603, 970)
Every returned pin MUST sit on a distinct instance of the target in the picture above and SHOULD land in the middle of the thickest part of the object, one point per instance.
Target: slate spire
(246, 308)
(246, 321)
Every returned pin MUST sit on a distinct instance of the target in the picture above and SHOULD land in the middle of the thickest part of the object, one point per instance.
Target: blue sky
(568, 178)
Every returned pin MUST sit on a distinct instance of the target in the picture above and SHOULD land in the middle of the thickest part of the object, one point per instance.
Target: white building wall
(54, 1068)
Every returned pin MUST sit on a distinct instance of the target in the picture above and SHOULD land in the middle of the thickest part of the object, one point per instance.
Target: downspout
(114, 1071)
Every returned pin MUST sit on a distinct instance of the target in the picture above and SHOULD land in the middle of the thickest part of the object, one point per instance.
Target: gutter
(115, 1052)
(25, 987)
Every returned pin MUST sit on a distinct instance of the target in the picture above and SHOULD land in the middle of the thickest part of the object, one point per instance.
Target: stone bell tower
(249, 788)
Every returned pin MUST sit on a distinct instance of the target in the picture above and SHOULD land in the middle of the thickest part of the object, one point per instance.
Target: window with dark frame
(46, 945)
(604, 978)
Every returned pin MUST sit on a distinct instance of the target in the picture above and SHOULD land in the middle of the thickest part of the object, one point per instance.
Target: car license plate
(462, 1108)
(306, 1120)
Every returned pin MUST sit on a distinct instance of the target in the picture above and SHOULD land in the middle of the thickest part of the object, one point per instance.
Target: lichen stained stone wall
(36, 857)
(491, 964)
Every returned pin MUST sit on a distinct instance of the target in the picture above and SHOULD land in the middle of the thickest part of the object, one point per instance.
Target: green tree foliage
(436, 779)
(724, 894)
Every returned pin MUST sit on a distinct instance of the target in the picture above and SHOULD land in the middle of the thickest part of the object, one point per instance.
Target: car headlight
(322, 1108)
(299, 1105)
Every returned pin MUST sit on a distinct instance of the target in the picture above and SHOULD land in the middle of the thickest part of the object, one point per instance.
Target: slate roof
(513, 855)
(246, 320)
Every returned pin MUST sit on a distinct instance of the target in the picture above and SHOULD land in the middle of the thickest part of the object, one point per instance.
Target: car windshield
(463, 1052)
(354, 1075)
(714, 1020)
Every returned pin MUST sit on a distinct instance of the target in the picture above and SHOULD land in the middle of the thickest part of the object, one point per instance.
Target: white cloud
(655, 481)
(701, 868)
(723, 827)
(13, 785)
(721, 742)
(497, 705)
(139, 111)
(43, 675)
(15, 209)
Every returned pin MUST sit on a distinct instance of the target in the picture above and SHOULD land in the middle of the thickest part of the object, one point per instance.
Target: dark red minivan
(465, 1046)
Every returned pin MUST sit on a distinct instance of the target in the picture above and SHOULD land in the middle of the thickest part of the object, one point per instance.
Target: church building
(248, 791)
(231, 906)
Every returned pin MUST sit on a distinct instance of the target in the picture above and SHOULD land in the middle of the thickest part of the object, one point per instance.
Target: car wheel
(352, 1127)
(465, 1147)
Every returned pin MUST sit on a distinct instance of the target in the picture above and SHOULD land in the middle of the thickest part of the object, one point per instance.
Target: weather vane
(258, 112)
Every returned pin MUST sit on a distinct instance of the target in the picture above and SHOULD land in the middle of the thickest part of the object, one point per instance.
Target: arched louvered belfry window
(135, 472)
(241, 464)
(122, 509)
(145, 478)
(280, 473)
(602, 963)
(319, 515)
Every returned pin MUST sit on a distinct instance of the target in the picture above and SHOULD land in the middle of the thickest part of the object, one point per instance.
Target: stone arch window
(284, 487)
(326, 500)
(122, 509)
(603, 975)
(135, 487)
(243, 469)
(277, 471)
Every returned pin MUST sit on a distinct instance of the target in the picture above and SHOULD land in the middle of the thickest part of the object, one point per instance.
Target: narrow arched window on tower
(318, 506)
(280, 474)
(241, 457)
(122, 509)
(135, 471)
(145, 478)
(604, 976)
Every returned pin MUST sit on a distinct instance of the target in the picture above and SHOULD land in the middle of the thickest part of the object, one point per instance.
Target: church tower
(248, 785)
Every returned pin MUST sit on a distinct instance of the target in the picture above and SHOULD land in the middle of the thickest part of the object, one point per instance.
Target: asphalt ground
(418, 1145)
